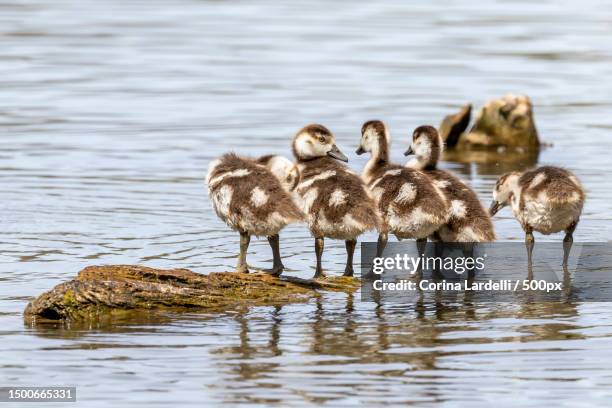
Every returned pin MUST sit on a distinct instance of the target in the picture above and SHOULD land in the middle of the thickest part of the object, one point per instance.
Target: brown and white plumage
(547, 199)
(251, 200)
(284, 169)
(334, 199)
(468, 220)
(411, 205)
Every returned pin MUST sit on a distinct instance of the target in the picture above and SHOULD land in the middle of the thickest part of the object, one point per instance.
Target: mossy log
(506, 123)
(100, 290)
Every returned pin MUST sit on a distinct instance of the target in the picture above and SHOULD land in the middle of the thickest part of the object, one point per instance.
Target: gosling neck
(516, 193)
(427, 160)
(380, 151)
(378, 159)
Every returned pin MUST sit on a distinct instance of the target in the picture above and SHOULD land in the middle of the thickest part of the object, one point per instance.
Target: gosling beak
(337, 154)
(495, 207)
(409, 151)
(360, 150)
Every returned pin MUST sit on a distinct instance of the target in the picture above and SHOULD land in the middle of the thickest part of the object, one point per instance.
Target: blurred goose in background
(411, 205)
(251, 200)
(546, 199)
(335, 200)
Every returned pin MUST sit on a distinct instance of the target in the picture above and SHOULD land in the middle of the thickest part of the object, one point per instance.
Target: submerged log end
(453, 126)
(101, 290)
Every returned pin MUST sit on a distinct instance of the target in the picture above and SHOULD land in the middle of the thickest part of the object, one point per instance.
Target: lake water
(111, 111)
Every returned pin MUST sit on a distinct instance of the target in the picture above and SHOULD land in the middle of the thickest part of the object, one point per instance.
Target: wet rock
(102, 290)
(505, 123)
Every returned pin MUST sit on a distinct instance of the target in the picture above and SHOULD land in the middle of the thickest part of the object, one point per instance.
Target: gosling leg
(468, 252)
(568, 241)
(439, 251)
(350, 250)
(529, 244)
(421, 243)
(277, 263)
(383, 237)
(319, 244)
(245, 239)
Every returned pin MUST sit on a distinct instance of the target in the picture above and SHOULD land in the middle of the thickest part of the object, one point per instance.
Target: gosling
(284, 169)
(547, 200)
(335, 200)
(251, 200)
(468, 221)
(412, 206)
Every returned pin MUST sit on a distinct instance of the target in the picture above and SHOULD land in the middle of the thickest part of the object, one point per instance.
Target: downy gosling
(284, 169)
(468, 221)
(411, 205)
(250, 199)
(546, 199)
(334, 199)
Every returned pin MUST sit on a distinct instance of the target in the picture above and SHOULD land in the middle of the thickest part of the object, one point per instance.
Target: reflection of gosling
(468, 221)
(410, 203)
(334, 199)
(251, 200)
(547, 199)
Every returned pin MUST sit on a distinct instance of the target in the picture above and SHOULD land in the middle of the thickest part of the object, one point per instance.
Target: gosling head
(426, 146)
(504, 191)
(284, 169)
(374, 139)
(315, 141)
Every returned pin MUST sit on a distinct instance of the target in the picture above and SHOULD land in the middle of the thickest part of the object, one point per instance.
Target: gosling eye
(321, 139)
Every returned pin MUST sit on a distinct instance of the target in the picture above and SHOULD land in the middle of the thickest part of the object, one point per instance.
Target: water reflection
(280, 354)
(124, 322)
(492, 163)
(388, 340)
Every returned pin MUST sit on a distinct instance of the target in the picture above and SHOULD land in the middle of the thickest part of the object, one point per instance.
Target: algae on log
(99, 290)
(501, 123)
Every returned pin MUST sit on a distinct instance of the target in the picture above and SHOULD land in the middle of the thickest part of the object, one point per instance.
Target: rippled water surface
(111, 111)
